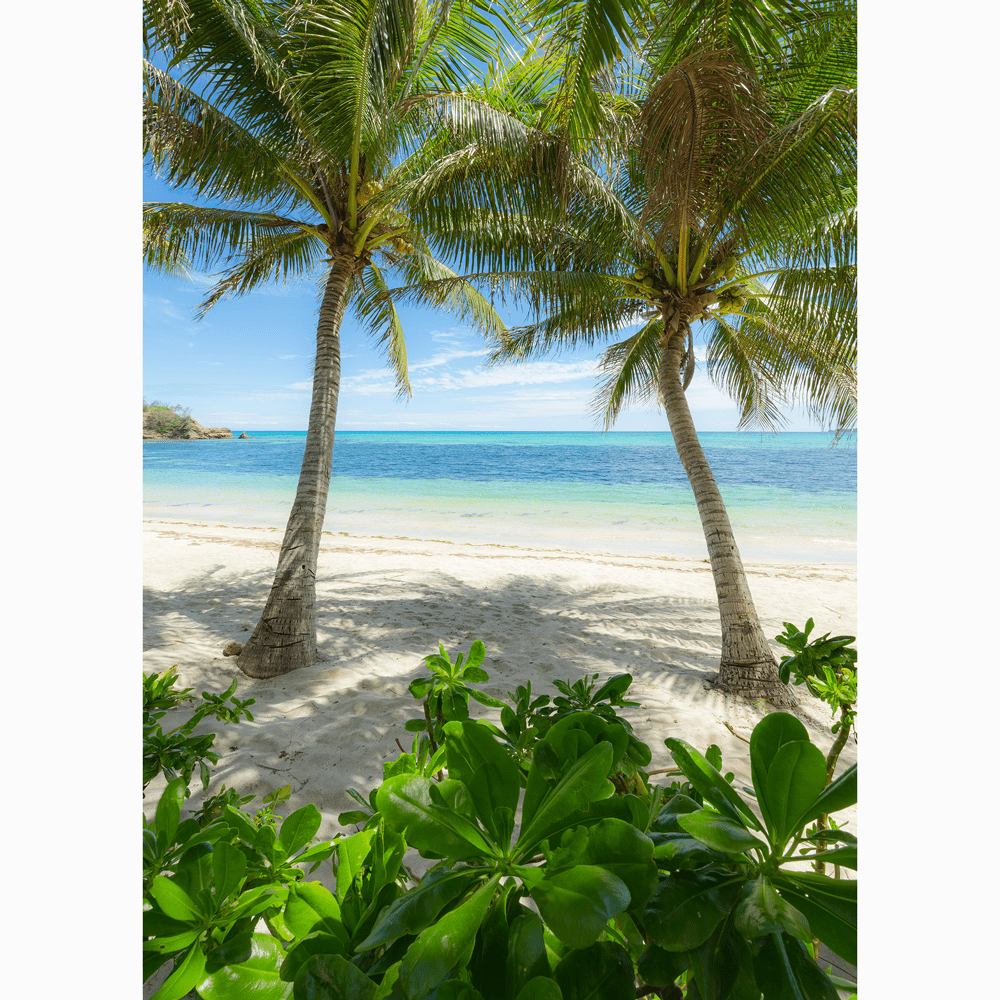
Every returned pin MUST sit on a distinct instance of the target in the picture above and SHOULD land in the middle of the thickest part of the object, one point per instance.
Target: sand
(385, 603)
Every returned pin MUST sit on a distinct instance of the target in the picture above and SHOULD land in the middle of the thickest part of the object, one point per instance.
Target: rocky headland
(161, 423)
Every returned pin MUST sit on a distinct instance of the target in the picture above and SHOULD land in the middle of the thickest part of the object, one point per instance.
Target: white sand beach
(385, 603)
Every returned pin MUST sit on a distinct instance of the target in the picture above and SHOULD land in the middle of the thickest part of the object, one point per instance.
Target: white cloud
(444, 357)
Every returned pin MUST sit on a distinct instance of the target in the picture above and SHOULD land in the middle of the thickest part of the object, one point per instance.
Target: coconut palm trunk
(285, 636)
(748, 666)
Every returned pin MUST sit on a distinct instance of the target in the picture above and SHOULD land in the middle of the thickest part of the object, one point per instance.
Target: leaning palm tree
(304, 121)
(742, 220)
(727, 197)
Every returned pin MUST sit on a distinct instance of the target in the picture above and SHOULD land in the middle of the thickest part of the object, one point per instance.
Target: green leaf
(786, 971)
(413, 805)
(839, 794)
(767, 738)
(457, 989)
(830, 905)
(720, 832)
(299, 828)
(477, 653)
(173, 900)
(420, 687)
(546, 806)
(485, 699)
(658, 967)
(526, 956)
(617, 847)
(332, 977)
(794, 780)
(762, 912)
(540, 988)
(710, 784)
(232, 951)
(487, 969)
(300, 952)
(229, 865)
(418, 908)
(474, 675)
(185, 976)
(168, 813)
(687, 906)
(256, 976)
(577, 904)
(312, 908)
(351, 855)
(486, 769)
(601, 972)
(617, 685)
(438, 949)
(716, 962)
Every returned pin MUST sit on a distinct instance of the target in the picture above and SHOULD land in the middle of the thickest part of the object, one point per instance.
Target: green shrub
(597, 892)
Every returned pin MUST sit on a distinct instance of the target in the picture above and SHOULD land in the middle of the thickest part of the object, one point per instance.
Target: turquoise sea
(790, 496)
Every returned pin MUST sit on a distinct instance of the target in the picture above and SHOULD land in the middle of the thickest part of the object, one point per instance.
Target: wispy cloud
(378, 380)
(443, 357)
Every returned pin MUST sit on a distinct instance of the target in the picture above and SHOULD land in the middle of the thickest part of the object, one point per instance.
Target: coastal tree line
(607, 163)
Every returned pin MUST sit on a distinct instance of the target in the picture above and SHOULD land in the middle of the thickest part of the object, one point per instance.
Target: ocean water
(790, 496)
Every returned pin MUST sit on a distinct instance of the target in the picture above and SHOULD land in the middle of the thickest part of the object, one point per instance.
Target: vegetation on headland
(658, 164)
(561, 869)
(162, 421)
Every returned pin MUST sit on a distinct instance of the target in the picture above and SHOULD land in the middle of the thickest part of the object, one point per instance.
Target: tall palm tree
(727, 196)
(305, 122)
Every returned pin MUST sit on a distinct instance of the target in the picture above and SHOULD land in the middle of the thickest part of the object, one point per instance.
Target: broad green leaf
(785, 970)
(229, 865)
(257, 900)
(173, 942)
(658, 967)
(299, 828)
(545, 806)
(186, 975)
(601, 972)
(438, 949)
(168, 813)
(332, 977)
(540, 988)
(839, 794)
(312, 908)
(618, 684)
(710, 784)
(457, 989)
(477, 653)
(485, 768)
(474, 675)
(300, 952)
(256, 976)
(234, 950)
(830, 905)
(351, 854)
(846, 857)
(485, 699)
(526, 957)
(762, 911)
(720, 832)
(408, 804)
(617, 847)
(419, 907)
(487, 968)
(687, 906)
(173, 900)
(767, 738)
(577, 903)
(794, 780)
(716, 962)
(419, 687)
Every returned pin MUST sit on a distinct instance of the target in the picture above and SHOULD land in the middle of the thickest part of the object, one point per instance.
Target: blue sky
(247, 366)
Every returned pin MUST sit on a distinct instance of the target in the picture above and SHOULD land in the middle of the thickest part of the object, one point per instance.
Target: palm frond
(277, 257)
(629, 372)
(373, 304)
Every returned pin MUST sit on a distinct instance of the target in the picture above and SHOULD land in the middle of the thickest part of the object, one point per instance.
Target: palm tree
(727, 197)
(305, 121)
